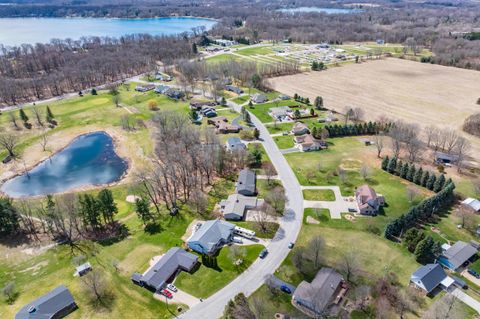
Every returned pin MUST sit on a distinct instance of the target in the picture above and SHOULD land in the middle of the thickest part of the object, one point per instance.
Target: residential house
(323, 46)
(83, 269)
(247, 183)
(472, 203)
(162, 89)
(165, 269)
(236, 205)
(444, 158)
(234, 89)
(259, 98)
(453, 257)
(175, 94)
(321, 295)
(224, 43)
(199, 105)
(163, 77)
(300, 129)
(280, 113)
(234, 144)
(211, 236)
(284, 97)
(222, 125)
(368, 200)
(429, 277)
(307, 142)
(57, 303)
(144, 88)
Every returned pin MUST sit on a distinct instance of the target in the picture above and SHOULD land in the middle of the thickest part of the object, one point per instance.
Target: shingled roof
(428, 277)
(246, 183)
(55, 304)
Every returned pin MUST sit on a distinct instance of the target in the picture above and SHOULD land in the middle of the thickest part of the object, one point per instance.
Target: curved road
(252, 278)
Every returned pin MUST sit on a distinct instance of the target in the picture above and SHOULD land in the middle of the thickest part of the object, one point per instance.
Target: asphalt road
(290, 225)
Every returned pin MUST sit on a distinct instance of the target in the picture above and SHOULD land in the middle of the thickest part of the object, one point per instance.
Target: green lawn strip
(279, 128)
(319, 194)
(263, 186)
(261, 110)
(241, 99)
(284, 142)
(273, 227)
(272, 303)
(206, 281)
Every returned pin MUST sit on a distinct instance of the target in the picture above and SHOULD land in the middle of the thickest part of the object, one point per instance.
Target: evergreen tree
(295, 96)
(107, 205)
(223, 102)
(318, 103)
(307, 101)
(255, 157)
(256, 132)
(431, 181)
(9, 217)
(392, 165)
(402, 169)
(50, 116)
(439, 183)
(425, 178)
(314, 132)
(412, 237)
(142, 206)
(94, 91)
(246, 118)
(447, 182)
(385, 160)
(89, 211)
(426, 250)
(312, 112)
(314, 66)
(411, 173)
(23, 116)
(250, 104)
(418, 176)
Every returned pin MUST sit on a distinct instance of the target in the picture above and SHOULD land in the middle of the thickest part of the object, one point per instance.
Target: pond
(324, 10)
(15, 31)
(89, 160)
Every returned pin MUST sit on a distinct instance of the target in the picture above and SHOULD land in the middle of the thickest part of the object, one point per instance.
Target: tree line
(370, 128)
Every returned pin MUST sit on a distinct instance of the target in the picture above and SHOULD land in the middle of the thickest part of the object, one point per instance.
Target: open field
(400, 89)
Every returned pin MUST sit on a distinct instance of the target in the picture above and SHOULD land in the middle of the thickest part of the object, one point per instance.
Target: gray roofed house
(247, 183)
(165, 269)
(279, 113)
(161, 89)
(235, 206)
(455, 256)
(57, 303)
(259, 98)
(211, 236)
(444, 158)
(235, 144)
(233, 89)
(315, 298)
(472, 203)
(428, 277)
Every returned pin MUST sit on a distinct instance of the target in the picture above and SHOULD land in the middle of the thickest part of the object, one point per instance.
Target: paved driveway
(290, 224)
(179, 297)
(337, 207)
(472, 303)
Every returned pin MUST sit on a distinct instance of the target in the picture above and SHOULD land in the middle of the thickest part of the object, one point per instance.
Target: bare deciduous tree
(9, 141)
(379, 140)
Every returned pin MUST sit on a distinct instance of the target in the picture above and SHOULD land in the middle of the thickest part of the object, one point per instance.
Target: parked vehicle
(474, 273)
(352, 210)
(237, 240)
(166, 293)
(172, 287)
(290, 246)
(285, 289)
(263, 253)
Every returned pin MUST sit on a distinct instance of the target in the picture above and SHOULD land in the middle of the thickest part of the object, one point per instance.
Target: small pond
(324, 10)
(89, 160)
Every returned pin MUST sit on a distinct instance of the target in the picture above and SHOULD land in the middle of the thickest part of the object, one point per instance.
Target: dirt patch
(400, 89)
(190, 229)
(35, 268)
(139, 258)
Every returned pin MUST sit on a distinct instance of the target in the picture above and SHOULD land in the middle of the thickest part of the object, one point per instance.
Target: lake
(88, 160)
(324, 10)
(15, 31)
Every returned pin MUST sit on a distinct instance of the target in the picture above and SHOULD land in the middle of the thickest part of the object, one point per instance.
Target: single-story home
(368, 200)
(211, 236)
(163, 77)
(224, 42)
(83, 269)
(444, 158)
(247, 183)
(165, 269)
(453, 257)
(235, 144)
(259, 98)
(429, 277)
(161, 89)
(307, 142)
(300, 129)
(175, 94)
(234, 89)
(472, 203)
(144, 88)
(57, 303)
(284, 97)
(200, 105)
(222, 125)
(317, 298)
(279, 113)
(235, 206)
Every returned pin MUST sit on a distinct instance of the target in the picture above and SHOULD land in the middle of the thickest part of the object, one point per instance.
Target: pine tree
(9, 217)
(439, 183)
(250, 104)
(318, 103)
(411, 173)
(431, 182)
(392, 165)
(425, 250)
(223, 102)
(94, 91)
(403, 171)
(412, 237)
(425, 177)
(23, 116)
(307, 101)
(418, 176)
(143, 211)
(385, 160)
(107, 205)
(50, 116)
(256, 132)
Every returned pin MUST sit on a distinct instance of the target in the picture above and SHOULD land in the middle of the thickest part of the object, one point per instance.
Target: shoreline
(116, 145)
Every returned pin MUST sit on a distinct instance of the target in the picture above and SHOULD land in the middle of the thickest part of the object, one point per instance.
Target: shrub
(471, 125)
(153, 105)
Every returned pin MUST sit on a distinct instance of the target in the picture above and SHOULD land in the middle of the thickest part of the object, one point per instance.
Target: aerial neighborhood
(239, 160)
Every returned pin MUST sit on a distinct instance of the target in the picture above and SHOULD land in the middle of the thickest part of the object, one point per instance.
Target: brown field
(399, 89)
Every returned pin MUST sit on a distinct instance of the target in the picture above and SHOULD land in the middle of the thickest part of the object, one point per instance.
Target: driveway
(279, 283)
(337, 207)
(289, 150)
(472, 303)
(180, 297)
(290, 224)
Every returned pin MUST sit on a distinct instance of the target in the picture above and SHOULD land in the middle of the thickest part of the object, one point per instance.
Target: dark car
(263, 253)
(290, 246)
(474, 273)
(285, 289)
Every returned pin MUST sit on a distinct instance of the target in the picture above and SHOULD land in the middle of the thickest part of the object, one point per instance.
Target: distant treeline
(369, 128)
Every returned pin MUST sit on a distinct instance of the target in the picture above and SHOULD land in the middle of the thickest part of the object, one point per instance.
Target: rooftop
(429, 276)
(211, 233)
(246, 182)
(459, 253)
(236, 204)
(49, 305)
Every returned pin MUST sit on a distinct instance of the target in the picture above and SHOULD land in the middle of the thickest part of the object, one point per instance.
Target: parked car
(237, 240)
(172, 287)
(290, 246)
(263, 253)
(166, 293)
(352, 210)
(284, 133)
(285, 289)
(474, 273)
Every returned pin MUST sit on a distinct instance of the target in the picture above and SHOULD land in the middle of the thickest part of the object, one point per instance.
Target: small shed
(83, 269)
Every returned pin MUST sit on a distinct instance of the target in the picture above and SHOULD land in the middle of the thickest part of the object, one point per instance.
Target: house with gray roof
(259, 98)
(235, 144)
(472, 203)
(57, 303)
(211, 236)
(455, 256)
(280, 113)
(165, 269)
(318, 297)
(247, 183)
(234, 89)
(429, 277)
(236, 205)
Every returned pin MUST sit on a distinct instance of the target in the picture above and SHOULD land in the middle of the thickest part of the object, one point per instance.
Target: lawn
(284, 142)
(271, 303)
(279, 127)
(261, 110)
(319, 194)
(207, 280)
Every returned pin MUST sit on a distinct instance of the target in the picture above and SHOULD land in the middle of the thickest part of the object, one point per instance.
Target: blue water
(324, 10)
(15, 31)
(89, 160)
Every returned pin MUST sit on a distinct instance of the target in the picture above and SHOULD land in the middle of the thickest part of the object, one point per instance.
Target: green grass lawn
(284, 142)
(261, 110)
(279, 128)
(319, 194)
(206, 280)
(271, 303)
